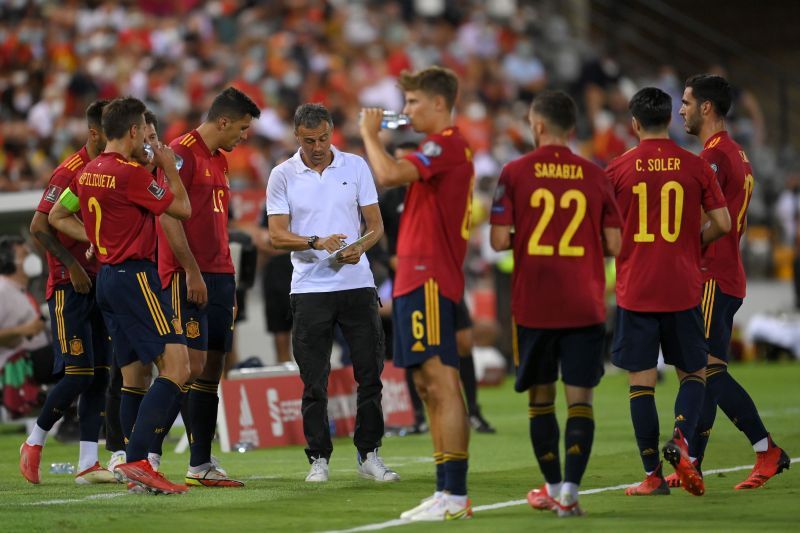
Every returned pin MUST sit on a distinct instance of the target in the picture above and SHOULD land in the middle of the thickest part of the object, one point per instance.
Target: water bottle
(393, 120)
(150, 154)
(244, 446)
(62, 468)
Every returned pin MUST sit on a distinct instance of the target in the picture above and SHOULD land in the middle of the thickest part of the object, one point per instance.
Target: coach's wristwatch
(312, 241)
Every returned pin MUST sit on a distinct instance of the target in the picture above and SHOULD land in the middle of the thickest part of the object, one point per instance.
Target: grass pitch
(502, 469)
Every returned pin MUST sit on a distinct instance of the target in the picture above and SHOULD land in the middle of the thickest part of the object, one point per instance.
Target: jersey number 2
(545, 198)
(94, 207)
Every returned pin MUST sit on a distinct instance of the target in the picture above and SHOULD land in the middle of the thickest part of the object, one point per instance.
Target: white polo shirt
(323, 204)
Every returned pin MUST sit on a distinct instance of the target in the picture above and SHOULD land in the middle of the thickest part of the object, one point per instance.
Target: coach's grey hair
(311, 116)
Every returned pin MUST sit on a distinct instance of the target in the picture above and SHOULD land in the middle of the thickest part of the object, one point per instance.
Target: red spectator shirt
(57, 273)
(205, 177)
(722, 260)
(662, 190)
(119, 200)
(558, 204)
(434, 227)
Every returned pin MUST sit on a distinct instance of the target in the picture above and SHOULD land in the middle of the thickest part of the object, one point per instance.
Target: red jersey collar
(714, 139)
(200, 142)
(554, 149)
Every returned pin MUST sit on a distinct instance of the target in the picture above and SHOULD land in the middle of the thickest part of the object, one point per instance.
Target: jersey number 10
(643, 235)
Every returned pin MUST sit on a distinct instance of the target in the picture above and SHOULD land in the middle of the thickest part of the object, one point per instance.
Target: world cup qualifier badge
(76, 347)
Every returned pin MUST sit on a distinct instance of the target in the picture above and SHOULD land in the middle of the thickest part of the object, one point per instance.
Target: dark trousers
(314, 317)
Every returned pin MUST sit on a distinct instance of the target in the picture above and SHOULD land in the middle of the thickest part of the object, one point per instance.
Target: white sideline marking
(101, 496)
(511, 503)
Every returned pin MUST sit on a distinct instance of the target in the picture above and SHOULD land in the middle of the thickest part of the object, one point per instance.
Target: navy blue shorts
(80, 338)
(637, 336)
(718, 311)
(424, 326)
(209, 328)
(137, 312)
(538, 353)
(463, 320)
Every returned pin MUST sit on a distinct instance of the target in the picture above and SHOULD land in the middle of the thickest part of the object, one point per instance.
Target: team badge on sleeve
(53, 192)
(714, 167)
(156, 190)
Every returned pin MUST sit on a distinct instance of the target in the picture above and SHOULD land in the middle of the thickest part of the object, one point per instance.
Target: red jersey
(57, 273)
(205, 177)
(662, 190)
(119, 199)
(559, 204)
(722, 259)
(434, 227)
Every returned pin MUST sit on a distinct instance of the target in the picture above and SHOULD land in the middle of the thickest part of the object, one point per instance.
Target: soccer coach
(315, 202)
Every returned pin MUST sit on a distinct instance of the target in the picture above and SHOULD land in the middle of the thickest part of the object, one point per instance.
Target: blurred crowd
(56, 57)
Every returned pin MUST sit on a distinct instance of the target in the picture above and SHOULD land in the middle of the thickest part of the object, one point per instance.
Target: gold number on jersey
(749, 183)
(671, 236)
(216, 199)
(538, 197)
(544, 198)
(94, 207)
(669, 217)
(466, 223)
(417, 329)
(564, 246)
(642, 235)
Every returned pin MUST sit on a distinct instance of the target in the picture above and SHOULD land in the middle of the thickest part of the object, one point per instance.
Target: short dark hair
(120, 114)
(432, 80)
(652, 107)
(557, 107)
(234, 104)
(150, 118)
(714, 89)
(311, 116)
(94, 113)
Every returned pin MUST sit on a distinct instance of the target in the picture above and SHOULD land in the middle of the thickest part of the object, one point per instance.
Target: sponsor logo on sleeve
(156, 190)
(53, 193)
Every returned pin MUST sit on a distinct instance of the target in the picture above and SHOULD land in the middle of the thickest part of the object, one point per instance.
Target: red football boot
(653, 485)
(540, 499)
(676, 452)
(674, 481)
(142, 473)
(768, 464)
(29, 458)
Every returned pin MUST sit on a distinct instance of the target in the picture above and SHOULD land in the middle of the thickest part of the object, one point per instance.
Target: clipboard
(331, 258)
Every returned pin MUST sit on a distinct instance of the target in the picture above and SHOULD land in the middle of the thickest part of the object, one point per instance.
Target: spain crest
(76, 347)
(192, 329)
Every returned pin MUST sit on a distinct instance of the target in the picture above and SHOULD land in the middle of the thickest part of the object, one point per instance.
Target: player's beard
(691, 124)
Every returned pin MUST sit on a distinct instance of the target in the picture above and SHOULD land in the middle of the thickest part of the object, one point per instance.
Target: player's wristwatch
(312, 241)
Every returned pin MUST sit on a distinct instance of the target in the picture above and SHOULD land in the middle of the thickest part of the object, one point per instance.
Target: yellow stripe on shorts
(152, 303)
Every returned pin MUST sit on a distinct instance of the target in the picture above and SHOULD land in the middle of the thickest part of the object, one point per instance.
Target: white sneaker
(445, 508)
(423, 506)
(216, 465)
(373, 468)
(117, 458)
(319, 471)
